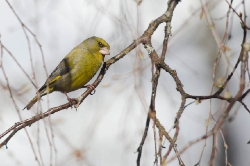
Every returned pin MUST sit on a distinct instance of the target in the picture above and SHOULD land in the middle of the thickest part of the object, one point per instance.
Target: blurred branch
(17, 110)
(24, 27)
(27, 30)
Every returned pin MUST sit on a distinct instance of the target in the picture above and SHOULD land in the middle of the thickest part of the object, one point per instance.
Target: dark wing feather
(62, 69)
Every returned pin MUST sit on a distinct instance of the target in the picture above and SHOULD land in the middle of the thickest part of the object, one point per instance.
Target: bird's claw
(73, 102)
(77, 105)
(92, 87)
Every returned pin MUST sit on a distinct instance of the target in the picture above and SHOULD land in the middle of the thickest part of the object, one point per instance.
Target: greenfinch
(76, 69)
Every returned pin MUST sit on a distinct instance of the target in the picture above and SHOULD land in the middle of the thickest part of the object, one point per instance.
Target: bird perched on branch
(76, 69)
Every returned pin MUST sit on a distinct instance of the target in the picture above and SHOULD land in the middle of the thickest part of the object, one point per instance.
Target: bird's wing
(63, 68)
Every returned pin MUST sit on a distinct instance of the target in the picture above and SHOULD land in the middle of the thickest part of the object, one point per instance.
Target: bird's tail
(31, 103)
(37, 97)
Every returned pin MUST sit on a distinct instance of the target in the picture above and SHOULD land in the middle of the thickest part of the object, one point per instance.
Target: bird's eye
(100, 44)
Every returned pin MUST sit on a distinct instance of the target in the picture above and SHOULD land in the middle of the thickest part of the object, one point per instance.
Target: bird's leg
(72, 101)
(90, 86)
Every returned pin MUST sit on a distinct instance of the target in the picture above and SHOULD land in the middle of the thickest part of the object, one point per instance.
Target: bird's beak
(104, 51)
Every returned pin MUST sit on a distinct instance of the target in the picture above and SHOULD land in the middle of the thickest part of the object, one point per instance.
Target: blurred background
(107, 127)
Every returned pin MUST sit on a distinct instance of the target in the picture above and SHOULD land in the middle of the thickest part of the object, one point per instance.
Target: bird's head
(98, 44)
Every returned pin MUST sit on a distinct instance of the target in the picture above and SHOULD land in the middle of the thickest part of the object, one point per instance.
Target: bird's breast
(83, 73)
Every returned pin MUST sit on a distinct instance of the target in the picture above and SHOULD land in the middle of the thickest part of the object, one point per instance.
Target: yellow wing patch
(56, 78)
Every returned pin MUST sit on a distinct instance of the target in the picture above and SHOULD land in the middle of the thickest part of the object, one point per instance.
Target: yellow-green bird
(76, 69)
